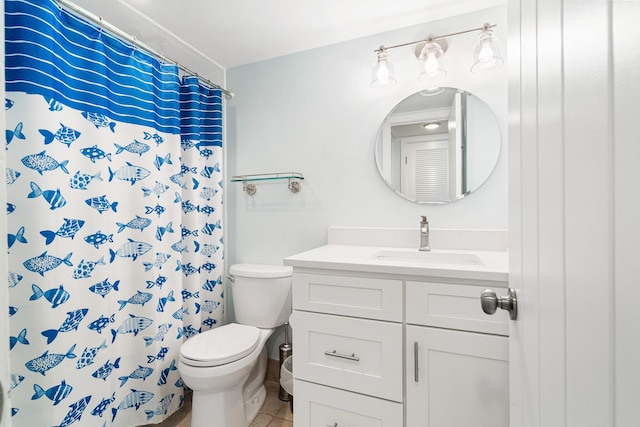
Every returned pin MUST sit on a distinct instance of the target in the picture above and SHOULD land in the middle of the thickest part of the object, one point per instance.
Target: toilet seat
(220, 346)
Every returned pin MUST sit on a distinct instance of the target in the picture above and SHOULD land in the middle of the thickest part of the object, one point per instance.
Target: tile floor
(274, 413)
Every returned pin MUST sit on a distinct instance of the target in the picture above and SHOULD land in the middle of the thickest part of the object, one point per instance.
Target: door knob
(490, 302)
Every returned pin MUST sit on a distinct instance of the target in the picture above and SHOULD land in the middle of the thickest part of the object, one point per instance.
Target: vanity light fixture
(430, 52)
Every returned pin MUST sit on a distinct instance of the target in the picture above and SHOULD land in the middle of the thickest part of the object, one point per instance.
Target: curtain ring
(133, 44)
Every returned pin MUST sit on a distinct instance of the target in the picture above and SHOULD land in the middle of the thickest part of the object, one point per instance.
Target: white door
(574, 212)
(455, 148)
(425, 169)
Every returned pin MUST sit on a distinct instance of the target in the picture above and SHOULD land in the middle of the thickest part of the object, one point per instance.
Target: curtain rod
(133, 40)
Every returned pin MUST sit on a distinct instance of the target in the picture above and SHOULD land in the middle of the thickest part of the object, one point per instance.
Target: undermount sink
(427, 258)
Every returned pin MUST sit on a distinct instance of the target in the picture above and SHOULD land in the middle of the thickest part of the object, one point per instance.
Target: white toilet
(225, 367)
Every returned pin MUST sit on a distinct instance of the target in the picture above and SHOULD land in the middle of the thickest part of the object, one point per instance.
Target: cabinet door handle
(415, 362)
(342, 356)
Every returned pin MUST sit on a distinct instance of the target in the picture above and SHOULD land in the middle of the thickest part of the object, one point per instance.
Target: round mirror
(436, 147)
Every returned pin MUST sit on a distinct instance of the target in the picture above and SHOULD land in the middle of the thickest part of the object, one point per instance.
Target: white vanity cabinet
(396, 346)
(457, 358)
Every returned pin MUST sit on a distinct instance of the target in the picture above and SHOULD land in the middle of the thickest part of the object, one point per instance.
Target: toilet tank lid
(260, 270)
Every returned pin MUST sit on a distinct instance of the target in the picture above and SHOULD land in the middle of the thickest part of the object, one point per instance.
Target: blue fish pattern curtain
(114, 212)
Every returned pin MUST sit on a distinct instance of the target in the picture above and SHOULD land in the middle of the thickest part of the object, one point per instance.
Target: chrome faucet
(424, 234)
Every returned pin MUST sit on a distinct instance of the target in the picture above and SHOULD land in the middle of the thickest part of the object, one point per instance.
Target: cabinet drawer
(359, 355)
(318, 406)
(453, 306)
(351, 296)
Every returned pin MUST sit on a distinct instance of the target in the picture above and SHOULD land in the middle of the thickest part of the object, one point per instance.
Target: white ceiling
(238, 32)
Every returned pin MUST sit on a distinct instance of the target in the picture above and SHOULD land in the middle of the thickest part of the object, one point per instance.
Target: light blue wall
(313, 112)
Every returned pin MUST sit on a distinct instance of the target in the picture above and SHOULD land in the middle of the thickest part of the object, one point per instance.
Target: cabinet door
(462, 378)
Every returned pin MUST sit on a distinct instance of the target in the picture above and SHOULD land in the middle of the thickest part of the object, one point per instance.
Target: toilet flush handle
(231, 278)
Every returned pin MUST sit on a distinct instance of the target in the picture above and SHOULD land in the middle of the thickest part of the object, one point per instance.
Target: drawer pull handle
(415, 361)
(342, 356)
(334, 425)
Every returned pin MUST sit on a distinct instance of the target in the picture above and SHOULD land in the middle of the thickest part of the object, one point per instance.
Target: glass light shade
(431, 61)
(382, 74)
(486, 52)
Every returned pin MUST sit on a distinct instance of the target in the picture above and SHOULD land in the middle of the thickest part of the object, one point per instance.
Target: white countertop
(482, 265)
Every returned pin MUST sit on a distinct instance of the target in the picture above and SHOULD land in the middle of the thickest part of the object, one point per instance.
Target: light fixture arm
(430, 39)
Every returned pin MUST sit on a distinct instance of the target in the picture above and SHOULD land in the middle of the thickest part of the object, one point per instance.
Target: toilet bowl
(225, 367)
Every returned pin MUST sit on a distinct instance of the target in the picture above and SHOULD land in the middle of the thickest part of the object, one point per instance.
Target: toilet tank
(261, 294)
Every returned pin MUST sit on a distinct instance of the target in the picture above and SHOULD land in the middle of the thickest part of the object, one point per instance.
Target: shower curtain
(114, 213)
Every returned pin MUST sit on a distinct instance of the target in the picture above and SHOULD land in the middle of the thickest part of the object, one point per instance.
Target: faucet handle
(424, 218)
